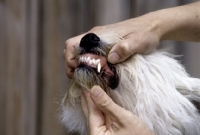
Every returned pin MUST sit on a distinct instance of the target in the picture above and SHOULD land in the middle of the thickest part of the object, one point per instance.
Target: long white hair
(155, 87)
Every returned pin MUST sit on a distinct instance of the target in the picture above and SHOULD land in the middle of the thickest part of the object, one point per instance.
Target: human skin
(104, 117)
(141, 35)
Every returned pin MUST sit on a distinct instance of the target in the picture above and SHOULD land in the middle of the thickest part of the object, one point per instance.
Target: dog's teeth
(97, 61)
(81, 59)
(84, 59)
(99, 67)
(90, 61)
(94, 61)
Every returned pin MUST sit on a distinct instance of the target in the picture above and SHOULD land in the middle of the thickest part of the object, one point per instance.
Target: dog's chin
(87, 76)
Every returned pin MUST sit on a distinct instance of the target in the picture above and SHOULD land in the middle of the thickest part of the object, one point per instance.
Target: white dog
(155, 87)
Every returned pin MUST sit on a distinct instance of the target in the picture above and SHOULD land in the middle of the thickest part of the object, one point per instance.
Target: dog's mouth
(99, 63)
(94, 69)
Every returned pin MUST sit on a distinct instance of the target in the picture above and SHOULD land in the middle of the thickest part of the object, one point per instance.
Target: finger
(70, 66)
(121, 51)
(92, 109)
(70, 59)
(69, 70)
(70, 47)
(132, 44)
(106, 105)
(97, 29)
(72, 43)
(69, 55)
(96, 120)
(120, 118)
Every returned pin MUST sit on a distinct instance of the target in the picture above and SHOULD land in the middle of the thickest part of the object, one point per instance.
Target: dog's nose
(89, 41)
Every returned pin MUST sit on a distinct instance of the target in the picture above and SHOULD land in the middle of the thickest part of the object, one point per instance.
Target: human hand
(69, 52)
(143, 34)
(104, 117)
(139, 37)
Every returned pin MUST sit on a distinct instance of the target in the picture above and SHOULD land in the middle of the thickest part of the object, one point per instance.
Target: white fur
(155, 87)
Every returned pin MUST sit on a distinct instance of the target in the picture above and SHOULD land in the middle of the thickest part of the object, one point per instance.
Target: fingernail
(96, 91)
(113, 57)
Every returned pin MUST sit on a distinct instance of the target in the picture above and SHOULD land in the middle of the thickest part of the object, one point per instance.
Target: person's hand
(104, 117)
(140, 36)
(143, 34)
(69, 52)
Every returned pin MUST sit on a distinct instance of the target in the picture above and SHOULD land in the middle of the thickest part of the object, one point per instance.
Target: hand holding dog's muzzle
(105, 117)
(69, 55)
(69, 52)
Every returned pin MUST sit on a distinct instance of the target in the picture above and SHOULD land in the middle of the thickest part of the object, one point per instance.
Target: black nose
(89, 41)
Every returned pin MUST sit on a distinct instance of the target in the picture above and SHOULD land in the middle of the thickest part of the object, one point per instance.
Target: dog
(155, 87)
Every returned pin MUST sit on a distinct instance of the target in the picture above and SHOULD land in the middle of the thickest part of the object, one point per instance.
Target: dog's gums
(94, 69)
(95, 61)
(155, 87)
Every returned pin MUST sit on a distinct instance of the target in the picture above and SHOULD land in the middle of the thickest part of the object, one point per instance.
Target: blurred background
(32, 38)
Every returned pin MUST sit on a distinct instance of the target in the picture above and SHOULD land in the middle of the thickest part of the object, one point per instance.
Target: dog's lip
(103, 62)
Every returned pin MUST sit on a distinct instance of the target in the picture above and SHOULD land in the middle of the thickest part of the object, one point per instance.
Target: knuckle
(144, 48)
(125, 49)
(71, 43)
(147, 48)
(64, 53)
(96, 28)
(106, 103)
(69, 74)
(67, 43)
(129, 118)
(129, 115)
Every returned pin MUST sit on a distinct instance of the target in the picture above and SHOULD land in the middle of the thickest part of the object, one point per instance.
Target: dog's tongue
(95, 61)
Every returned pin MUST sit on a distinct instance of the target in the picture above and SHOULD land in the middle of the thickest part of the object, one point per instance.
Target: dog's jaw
(154, 87)
(95, 61)
(94, 67)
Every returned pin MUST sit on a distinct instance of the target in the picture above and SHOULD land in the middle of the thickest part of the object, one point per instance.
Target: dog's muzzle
(94, 69)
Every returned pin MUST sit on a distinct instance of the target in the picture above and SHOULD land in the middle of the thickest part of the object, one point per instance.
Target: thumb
(106, 104)
(121, 51)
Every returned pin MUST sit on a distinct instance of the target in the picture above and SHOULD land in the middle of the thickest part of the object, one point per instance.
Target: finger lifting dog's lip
(155, 87)
(92, 56)
(100, 65)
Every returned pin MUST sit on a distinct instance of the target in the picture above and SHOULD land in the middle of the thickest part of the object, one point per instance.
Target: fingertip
(120, 52)
(69, 72)
(96, 91)
(100, 98)
(113, 58)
